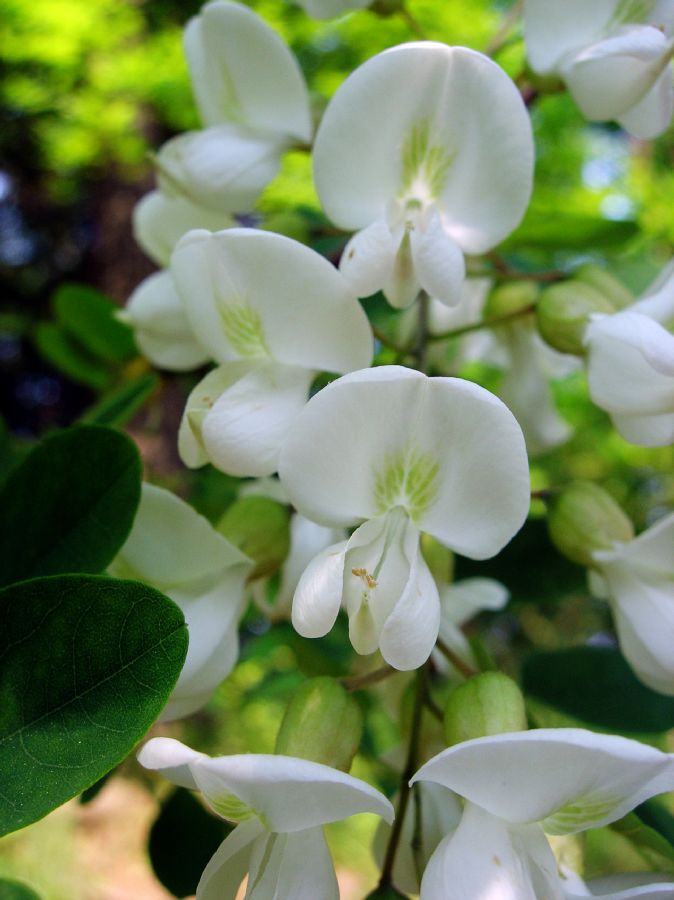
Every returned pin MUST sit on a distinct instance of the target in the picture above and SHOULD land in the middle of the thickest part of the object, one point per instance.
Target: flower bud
(584, 518)
(508, 299)
(490, 703)
(613, 290)
(322, 723)
(387, 8)
(260, 528)
(564, 311)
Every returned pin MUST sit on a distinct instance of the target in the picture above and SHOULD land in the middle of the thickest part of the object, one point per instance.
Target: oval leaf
(86, 665)
(69, 505)
(15, 890)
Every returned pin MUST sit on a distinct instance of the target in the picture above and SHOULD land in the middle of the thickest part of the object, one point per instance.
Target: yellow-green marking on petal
(632, 11)
(230, 807)
(407, 478)
(424, 165)
(579, 815)
(244, 330)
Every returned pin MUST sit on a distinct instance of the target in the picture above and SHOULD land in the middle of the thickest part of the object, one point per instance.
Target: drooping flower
(613, 55)
(630, 365)
(281, 804)
(637, 579)
(174, 549)
(460, 602)
(272, 313)
(254, 105)
(518, 786)
(426, 151)
(400, 453)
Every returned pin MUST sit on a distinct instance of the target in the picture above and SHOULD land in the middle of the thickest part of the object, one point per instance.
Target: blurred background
(88, 88)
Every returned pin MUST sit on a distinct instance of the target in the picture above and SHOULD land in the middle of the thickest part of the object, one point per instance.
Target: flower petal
(608, 78)
(630, 364)
(568, 778)
(227, 868)
(254, 294)
(170, 544)
(288, 794)
(223, 168)
(319, 593)
(411, 630)
(160, 325)
(368, 259)
(172, 759)
(488, 859)
(438, 262)
(159, 221)
(426, 112)
(242, 71)
(296, 865)
(652, 114)
(466, 598)
(243, 432)
(646, 431)
(446, 450)
(553, 29)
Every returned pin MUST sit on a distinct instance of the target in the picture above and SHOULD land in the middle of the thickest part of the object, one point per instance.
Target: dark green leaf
(550, 230)
(656, 815)
(597, 686)
(15, 890)
(182, 840)
(120, 404)
(69, 505)
(65, 355)
(86, 665)
(657, 852)
(89, 317)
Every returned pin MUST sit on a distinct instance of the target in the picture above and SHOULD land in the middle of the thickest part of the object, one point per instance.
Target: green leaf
(183, 838)
(597, 686)
(119, 405)
(89, 317)
(69, 505)
(657, 852)
(67, 357)
(86, 665)
(260, 528)
(15, 890)
(554, 230)
(655, 814)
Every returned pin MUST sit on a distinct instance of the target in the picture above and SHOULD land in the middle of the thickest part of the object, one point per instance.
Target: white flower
(613, 55)
(401, 453)
(176, 550)
(630, 365)
(426, 151)
(637, 579)
(281, 804)
(273, 313)
(328, 9)
(517, 786)
(160, 326)
(253, 102)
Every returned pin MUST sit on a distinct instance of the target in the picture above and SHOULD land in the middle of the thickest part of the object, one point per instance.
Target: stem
(501, 39)
(356, 682)
(409, 770)
(417, 837)
(387, 342)
(421, 351)
(462, 667)
(485, 323)
(412, 23)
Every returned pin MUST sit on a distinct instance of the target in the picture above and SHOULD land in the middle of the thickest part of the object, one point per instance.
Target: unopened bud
(322, 723)
(613, 290)
(513, 297)
(583, 518)
(563, 312)
(260, 527)
(490, 703)
(438, 558)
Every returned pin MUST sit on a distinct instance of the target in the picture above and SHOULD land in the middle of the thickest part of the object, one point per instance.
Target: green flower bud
(438, 558)
(510, 298)
(386, 893)
(322, 723)
(583, 518)
(387, 7)
(613, 290)
(564, 311)
(490, 703)
(260, 527)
